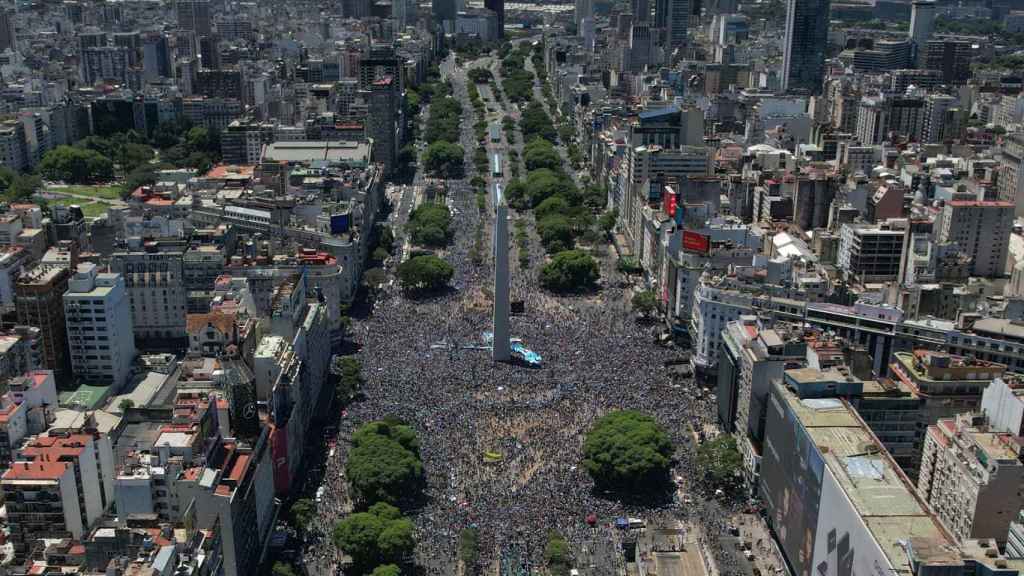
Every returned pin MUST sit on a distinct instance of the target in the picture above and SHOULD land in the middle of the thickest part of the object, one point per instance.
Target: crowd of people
(502, 443)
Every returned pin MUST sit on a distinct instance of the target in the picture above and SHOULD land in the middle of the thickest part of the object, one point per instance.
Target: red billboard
(694, 242)
(279, 453)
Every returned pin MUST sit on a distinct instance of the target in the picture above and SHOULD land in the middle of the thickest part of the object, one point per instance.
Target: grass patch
(100, 192)
(89, 209)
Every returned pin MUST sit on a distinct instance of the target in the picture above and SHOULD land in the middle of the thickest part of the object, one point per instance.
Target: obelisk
(502, 347)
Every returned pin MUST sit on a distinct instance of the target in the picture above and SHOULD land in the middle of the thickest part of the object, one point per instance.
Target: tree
(540, 153)
(444, 159)
(125, 404)
(720, 459)
(556, 233)
(557, 555)
(571, 270)
(425, 273)
(283, 569)
(480, 75)
(385, 238)
(132, 156)
(627, 452)
(23, 187)
(386, 570)
(536, 122)
(141, 176)
(645, 303)
(349, 374)
(374, 278)
(383, 466)
(469, 548)
(430, 225)
(76, 165)
(375, 537)
(303, 511)
(607, 220)
(628, 265)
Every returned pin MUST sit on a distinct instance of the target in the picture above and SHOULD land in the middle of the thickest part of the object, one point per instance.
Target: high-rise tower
(803, 67)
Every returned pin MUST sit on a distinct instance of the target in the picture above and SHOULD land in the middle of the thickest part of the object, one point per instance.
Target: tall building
(803, 65)
(971, 477)
(675, 22)
(194, 16)
(156, 56)
(382, 125)
(14, 152)
(443, 10)
(105, 63)
(949, 384)
(1011, 171)
(837, 500)
(498, 7)
(943, 118)
(950, 56)
(99, 320)
(583, 9)
(42, 501)
(922, 24)
(8, 37)
(38, 301)
(869, 254)
(155, 283)
(641, 10)
(982, 231)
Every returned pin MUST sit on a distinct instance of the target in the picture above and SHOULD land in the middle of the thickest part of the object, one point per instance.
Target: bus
(496, 165)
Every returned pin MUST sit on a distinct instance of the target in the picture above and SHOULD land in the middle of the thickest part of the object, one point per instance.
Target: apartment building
(971, 477)
(39, 302)
(42, 501)
(99, 325)
(981, 230)
(155, 284)
(949, 384)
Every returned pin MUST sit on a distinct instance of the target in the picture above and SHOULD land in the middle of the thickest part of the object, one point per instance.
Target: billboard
(791, 475)
(695, 242)
(843, 546)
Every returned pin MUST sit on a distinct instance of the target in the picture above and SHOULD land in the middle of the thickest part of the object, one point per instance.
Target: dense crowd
(423, 362)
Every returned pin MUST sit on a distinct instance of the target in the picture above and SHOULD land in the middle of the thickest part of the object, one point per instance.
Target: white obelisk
(502, 347)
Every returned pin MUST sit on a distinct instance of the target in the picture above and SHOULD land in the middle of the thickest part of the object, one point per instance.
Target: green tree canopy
(568, 271)
(480, 75)
(386, 570)
(556, 233)
(607, 221)
(302, 512)
(76, 165)
(430, 225)
(283, 569)
(536, 122)
(720, 459)
(348, 372)
(627, 452)
(375, 537)
(425, 273)
(442, 158)
(539, 153)
(644, 302)
(557, 555)
(384, 464)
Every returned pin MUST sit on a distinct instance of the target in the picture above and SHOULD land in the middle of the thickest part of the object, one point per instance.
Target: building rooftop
(35, 471)
(871, 480)
(310, 151)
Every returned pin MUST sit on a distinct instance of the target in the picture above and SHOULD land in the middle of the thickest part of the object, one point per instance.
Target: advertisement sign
(843, 546)
(694, 242)
(669, 203)
(791, 474)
